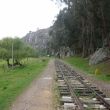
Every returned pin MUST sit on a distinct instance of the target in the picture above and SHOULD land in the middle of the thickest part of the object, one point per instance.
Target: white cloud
(17, 17)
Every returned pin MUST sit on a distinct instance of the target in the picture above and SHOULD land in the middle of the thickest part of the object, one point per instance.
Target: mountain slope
(38, 39)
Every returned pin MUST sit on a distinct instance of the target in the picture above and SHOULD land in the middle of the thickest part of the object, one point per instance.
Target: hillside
(38, 39)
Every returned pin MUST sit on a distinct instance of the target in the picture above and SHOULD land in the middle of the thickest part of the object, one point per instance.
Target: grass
(13, 82)
(56, 94)
(83, 64)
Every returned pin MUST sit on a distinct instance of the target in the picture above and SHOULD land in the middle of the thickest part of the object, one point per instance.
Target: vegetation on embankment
(13, 82)
(83, 64)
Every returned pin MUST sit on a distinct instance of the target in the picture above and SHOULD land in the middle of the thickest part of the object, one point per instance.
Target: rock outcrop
(38, 39)
(100, 55)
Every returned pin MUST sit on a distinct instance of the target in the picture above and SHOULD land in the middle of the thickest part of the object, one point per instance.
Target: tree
(20, 51)
(85, 25)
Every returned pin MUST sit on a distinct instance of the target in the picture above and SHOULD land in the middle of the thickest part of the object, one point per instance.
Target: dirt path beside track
(38, 96)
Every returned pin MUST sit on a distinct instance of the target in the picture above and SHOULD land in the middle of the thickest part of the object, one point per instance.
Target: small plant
(97, 71)
(4, 88)
(43, 60)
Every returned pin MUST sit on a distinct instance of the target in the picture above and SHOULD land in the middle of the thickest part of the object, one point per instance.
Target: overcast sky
(18, 17)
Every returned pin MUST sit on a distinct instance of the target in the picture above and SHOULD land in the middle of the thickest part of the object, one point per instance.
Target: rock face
(99, 56)
(38, 39)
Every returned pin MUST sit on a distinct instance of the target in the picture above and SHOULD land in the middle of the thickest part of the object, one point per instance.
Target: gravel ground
(38, 96)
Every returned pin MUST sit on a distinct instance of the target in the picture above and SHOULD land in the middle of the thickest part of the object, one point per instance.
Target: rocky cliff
(100, 55)
(38, 39)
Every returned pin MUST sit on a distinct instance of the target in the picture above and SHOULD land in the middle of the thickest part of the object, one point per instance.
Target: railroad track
(78, 93)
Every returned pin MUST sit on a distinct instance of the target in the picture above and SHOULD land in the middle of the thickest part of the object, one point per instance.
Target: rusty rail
(62, 68)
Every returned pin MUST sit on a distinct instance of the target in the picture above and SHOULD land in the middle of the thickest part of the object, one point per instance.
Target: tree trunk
(8, 62)
(91, 50)
(104, 33)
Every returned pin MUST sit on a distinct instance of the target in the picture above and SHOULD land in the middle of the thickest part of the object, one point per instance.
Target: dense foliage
(16, 50)
(83, 26)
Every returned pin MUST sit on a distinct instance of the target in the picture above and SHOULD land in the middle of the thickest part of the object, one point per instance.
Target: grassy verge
(83, 64)
(56, 94)
(13, 82)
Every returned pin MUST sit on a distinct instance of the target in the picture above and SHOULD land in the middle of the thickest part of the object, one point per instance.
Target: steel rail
(72, 91)
(99, 97)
